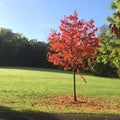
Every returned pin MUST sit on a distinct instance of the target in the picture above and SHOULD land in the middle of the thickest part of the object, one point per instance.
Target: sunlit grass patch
(33, 89)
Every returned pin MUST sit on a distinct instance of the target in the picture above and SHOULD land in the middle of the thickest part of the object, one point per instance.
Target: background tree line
(17, 50)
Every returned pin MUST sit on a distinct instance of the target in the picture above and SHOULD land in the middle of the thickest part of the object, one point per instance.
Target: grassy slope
(20, 87)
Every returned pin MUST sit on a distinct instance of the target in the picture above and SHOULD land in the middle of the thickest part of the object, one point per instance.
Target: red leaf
(75, 42)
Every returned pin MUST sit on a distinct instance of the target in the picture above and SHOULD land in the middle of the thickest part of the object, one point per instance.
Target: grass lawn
(46, 90)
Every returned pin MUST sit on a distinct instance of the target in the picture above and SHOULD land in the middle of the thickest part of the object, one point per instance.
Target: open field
(45, 90)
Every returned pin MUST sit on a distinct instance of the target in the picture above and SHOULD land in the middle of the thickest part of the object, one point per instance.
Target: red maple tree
(75, 43)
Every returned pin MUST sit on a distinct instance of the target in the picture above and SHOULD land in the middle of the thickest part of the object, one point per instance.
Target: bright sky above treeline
(35, 18)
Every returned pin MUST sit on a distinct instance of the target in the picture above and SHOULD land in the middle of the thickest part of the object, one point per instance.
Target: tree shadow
(8, 114)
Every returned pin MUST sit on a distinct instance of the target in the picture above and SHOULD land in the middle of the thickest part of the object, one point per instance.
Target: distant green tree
(107, 60)
(17, 50)
(10, 46)
(109, 53)
(102, 64)
(103, 29)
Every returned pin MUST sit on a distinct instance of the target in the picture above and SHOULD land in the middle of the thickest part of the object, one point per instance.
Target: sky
(35, 18)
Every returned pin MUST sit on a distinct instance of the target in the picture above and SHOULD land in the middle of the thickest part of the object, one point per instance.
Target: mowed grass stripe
(33, 89)
(50, 82)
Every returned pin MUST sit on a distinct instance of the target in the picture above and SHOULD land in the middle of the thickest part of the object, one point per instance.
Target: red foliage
(114, 28)
(75, 43)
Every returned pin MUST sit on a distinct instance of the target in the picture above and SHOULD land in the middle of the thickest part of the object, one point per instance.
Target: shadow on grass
(37, 69)
(46, 70)
(8, 114)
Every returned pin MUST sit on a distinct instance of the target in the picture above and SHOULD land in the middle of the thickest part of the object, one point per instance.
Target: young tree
(75, 43)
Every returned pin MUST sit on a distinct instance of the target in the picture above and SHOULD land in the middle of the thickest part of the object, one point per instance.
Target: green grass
(28, 88)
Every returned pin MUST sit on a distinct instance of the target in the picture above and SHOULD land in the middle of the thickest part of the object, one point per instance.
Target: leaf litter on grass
(63, 104)
(83, 105)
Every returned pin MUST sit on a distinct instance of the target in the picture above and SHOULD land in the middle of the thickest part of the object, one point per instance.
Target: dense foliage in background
(107, 59)
(17, 50)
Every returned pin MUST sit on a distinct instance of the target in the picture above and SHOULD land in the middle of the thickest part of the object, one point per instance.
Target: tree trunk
(75, 98)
